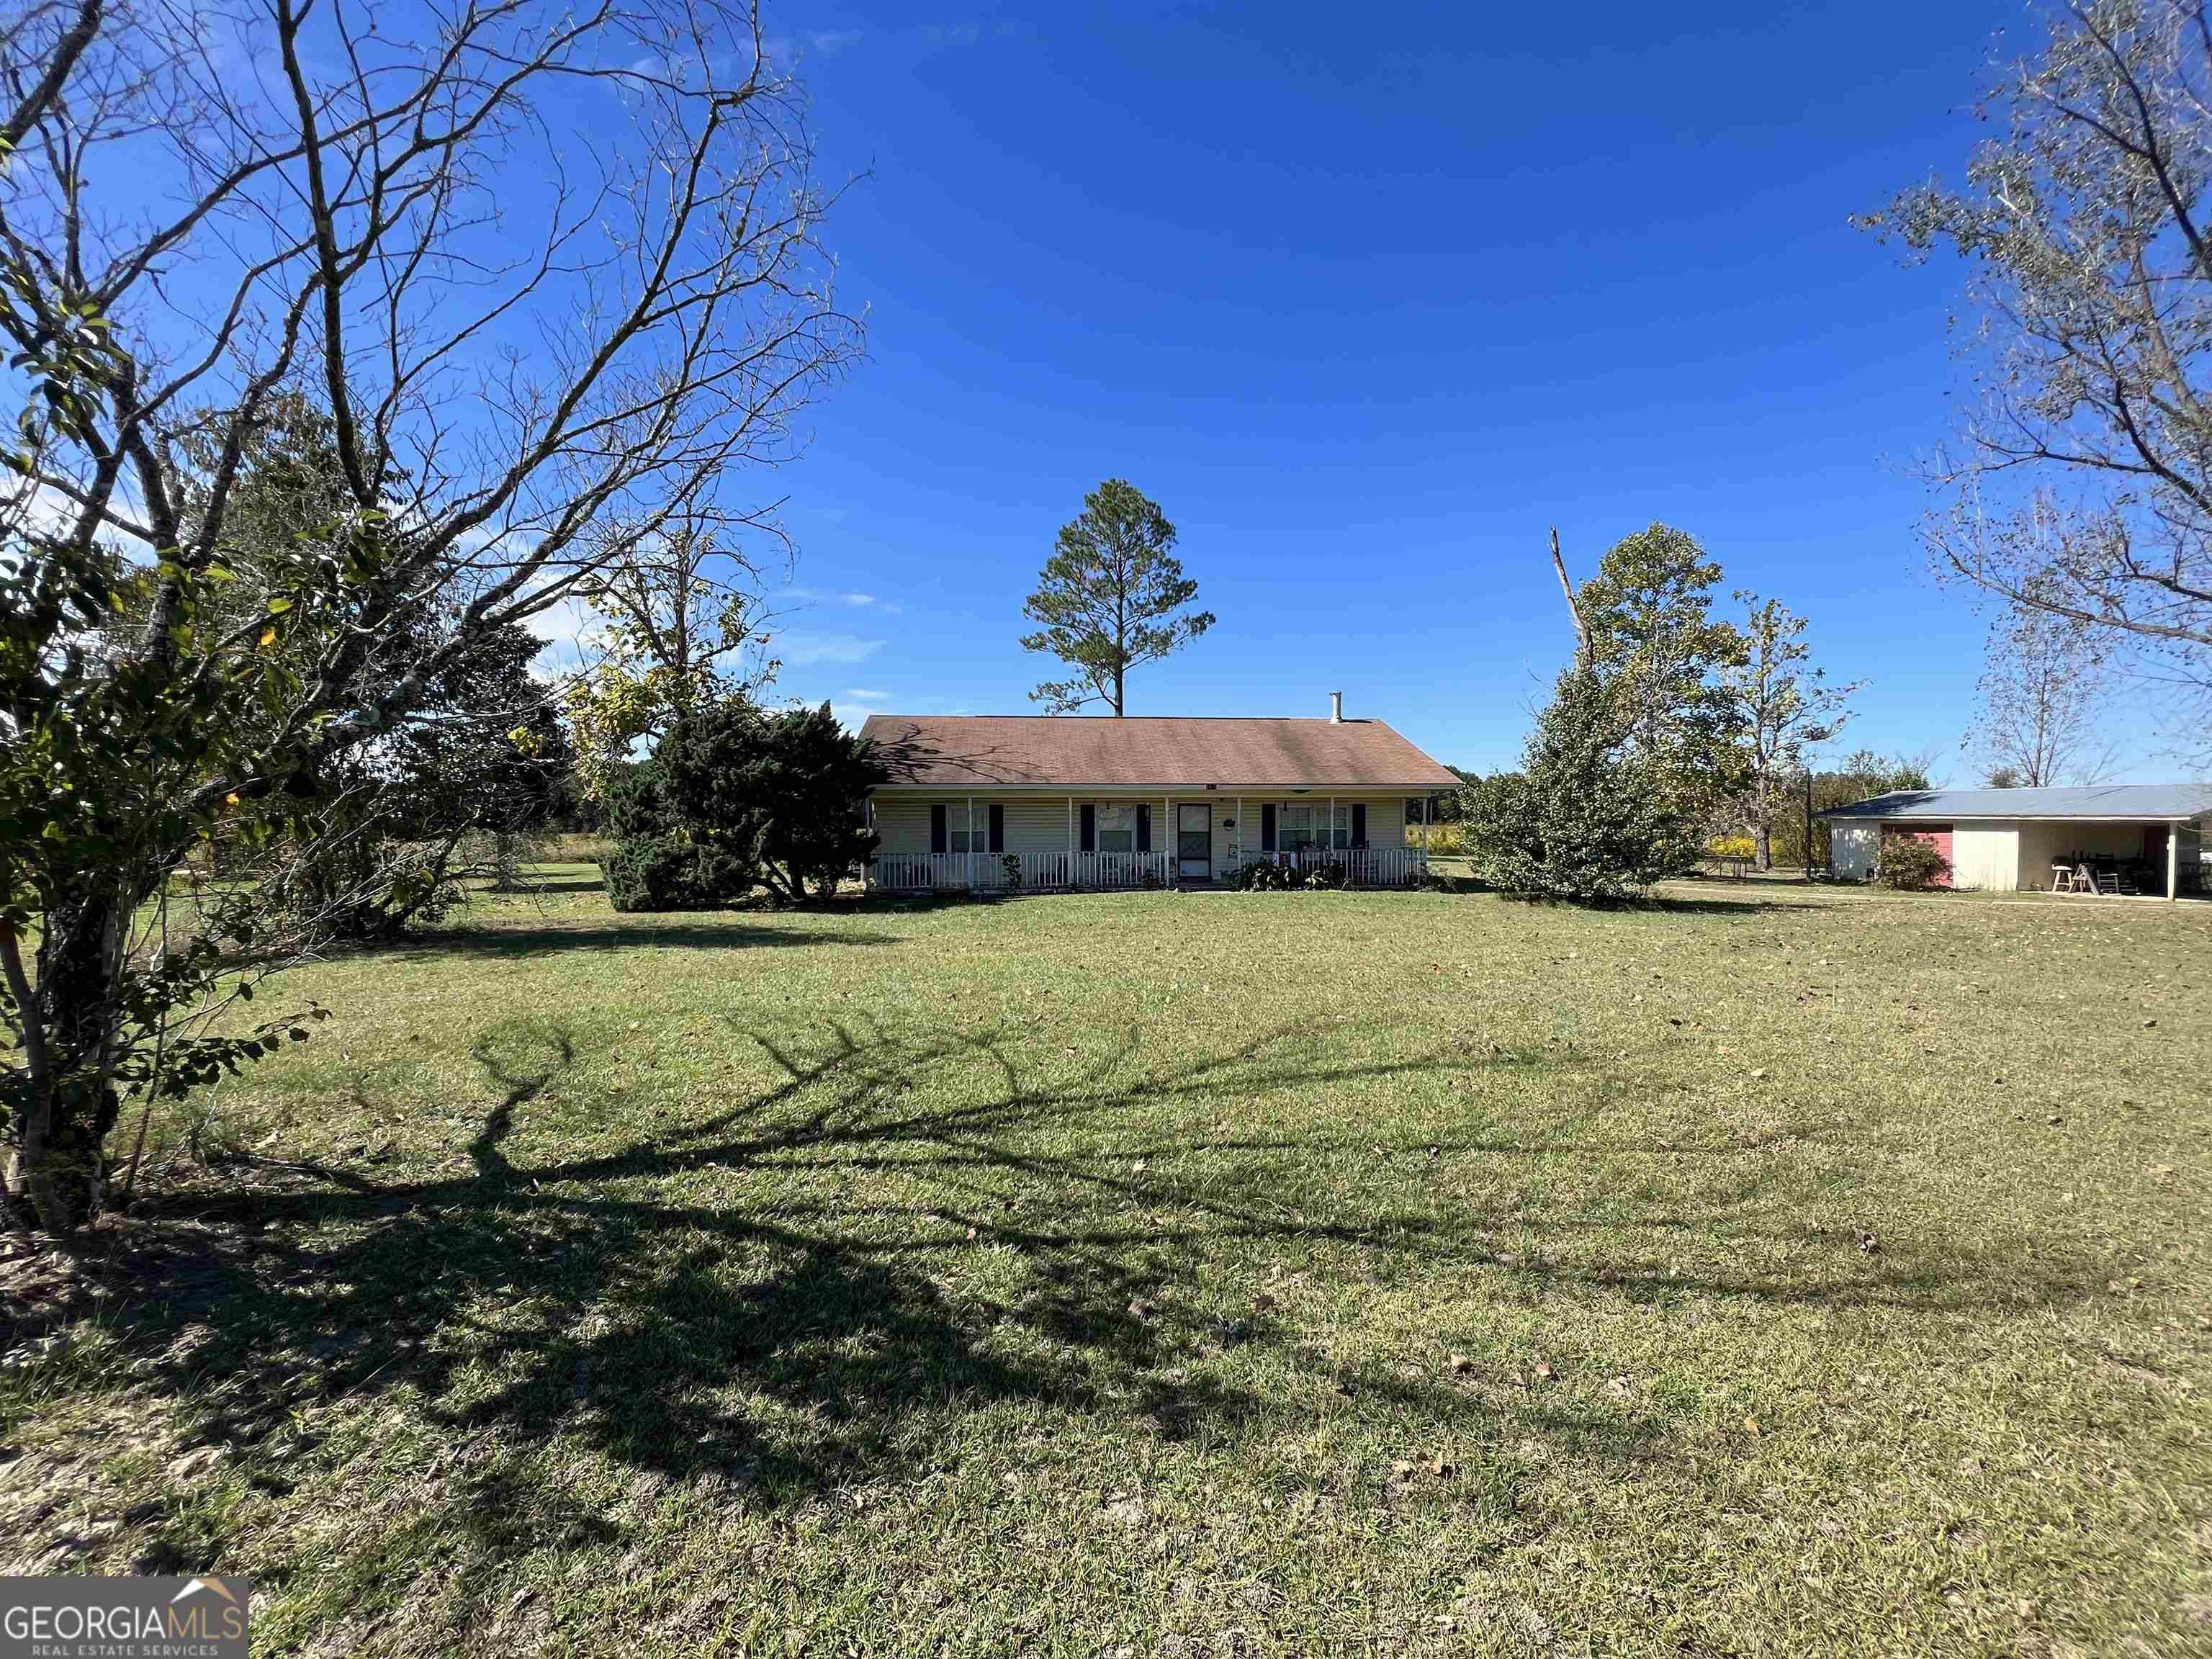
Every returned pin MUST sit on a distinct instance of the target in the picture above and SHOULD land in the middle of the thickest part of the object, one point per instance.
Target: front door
(1194, 840)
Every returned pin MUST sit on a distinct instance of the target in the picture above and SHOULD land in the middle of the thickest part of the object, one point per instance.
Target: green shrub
(1267, 876)
(1587, 817)
(660, 873)
(1911, 865)
(735, 798)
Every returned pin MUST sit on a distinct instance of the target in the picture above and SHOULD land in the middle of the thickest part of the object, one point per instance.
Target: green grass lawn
(1778, 1270)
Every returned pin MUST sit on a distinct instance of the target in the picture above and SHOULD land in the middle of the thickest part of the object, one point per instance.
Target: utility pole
(1808, 824)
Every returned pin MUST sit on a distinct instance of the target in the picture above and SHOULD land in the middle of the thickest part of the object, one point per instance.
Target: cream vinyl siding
(1033, 825)
(1386, 823)
(1042, 823)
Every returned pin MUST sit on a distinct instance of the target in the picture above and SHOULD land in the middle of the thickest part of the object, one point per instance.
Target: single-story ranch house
(1061, 801)
(2143, 838)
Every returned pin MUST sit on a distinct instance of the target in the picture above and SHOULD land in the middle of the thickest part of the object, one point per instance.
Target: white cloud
(45, 510)
(568, 627)
(823, 596)
(861, 694)
(830, 42)
(797, 647)
(565, 623)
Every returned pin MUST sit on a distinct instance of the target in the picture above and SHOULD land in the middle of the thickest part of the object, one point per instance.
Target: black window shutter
(1359, 823)
(1089, 842)
(1144, 828)
(937, 827)
(998, 829)
(1267, 828)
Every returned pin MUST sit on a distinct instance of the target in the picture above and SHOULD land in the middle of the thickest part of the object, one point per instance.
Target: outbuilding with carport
(2131, 837)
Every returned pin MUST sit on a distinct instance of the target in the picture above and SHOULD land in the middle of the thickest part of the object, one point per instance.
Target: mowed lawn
(1776, 1271)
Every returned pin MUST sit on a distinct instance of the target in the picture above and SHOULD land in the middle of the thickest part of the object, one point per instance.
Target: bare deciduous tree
(545, 269)
(2082, 484)
(2046, 716)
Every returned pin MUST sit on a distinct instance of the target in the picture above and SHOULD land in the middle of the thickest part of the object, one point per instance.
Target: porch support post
(2173, 862)
(1239, 842)
(1168, 834)
(1425, 834)
(971, 843)
(1071, 842)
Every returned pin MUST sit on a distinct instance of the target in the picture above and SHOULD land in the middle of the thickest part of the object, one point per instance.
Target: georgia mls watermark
(122, 1618)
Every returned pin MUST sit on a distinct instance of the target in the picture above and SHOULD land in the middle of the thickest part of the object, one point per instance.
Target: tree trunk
(56, 1166)
(1808, 822)
(1765, 825)
(1117, 693)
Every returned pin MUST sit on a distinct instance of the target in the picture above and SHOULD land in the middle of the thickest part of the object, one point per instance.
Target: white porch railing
(1037, 872)
(913, 872)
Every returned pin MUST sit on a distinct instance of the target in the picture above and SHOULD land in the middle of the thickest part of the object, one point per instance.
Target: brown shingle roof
(1047, 750)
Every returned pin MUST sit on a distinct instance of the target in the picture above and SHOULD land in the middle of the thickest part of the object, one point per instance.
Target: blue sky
(1367, 300)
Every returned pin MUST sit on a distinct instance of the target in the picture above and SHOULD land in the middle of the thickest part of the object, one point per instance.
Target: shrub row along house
(1057, 801)
(2131, 838)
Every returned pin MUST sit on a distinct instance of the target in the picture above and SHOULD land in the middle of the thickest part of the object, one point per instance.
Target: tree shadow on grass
(1685, 904)
(735, 932)
(821, 1283)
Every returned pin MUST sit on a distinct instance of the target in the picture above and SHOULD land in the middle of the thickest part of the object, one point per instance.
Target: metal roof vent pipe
(1336, 709)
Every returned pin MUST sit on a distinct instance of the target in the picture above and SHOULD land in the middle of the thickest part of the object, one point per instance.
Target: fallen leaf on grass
(193, 1463)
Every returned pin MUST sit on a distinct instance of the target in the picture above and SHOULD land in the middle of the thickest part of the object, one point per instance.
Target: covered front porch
(1118, 840)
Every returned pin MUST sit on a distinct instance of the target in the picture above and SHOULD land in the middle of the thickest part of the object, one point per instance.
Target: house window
(958, 837)
(1300, 824)
(1117, 829)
